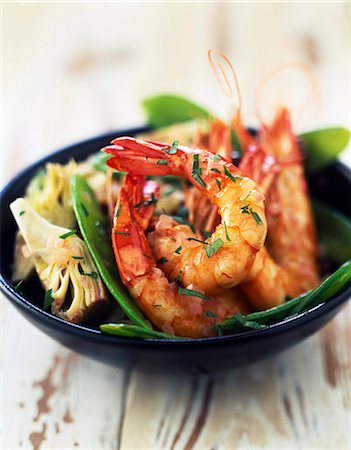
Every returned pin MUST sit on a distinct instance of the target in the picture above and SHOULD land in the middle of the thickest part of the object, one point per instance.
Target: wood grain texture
(73, 70)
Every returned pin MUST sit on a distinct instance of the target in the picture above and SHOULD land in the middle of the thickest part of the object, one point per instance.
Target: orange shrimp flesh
(226, 257)
(176, 310)
(292, 239)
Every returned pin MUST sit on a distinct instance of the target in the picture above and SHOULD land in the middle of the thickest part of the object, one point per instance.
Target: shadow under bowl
(193, 356)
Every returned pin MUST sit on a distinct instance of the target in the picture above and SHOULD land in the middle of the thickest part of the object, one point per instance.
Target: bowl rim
(93, 334)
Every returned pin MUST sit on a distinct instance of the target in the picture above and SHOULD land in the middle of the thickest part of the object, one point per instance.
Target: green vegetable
(323, 146)
(48, 299)
(324, 292)
(121, 329)
(214, 247)
(99, 161)
(165, 110)
(334, 232)
(96, 238)
(68, 234)
(190, 292)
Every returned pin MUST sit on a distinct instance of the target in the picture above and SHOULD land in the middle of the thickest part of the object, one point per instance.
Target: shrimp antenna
(225, 74)
(311, 97)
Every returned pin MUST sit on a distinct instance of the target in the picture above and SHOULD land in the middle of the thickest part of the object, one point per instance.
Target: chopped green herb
(229, 175)
(198, 178)
(86, 212)
(18, 285)
(48, 299)
(206, 234)
(177, 278)
(21, 213)
(256, 217)
(197, 240)
(248, 195)
(217, 157)
(69, 233)
(118, 212)
(226, 231)
(190, 292)
(122, 233)
(162, 260)
(214, 247)
(157, 306)
(91, 274)
(247, 210)
(173, 149)
(215, 170)
(197, 171)
(218, 184)
(218, 329)
(210, 314)
(147, 256)
(178, 250)
(162, 162)
(78, 257)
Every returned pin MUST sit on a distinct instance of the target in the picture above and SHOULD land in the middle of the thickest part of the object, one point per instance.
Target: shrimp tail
(140, 156)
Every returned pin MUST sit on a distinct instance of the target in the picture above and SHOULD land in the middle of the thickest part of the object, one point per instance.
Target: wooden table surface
(72, 70)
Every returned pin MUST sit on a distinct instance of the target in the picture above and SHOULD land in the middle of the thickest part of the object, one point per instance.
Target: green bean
(95, 231)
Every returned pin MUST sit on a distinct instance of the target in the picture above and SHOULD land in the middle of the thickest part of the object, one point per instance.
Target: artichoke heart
(63, 264)
(50, 195)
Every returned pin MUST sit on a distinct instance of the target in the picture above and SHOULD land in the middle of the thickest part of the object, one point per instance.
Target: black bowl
(204, 355)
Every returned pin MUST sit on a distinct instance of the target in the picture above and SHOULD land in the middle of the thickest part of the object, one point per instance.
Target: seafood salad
(197, 228)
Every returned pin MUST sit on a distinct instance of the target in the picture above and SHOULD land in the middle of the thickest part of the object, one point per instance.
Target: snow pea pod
(121, 329)
(95, 231)
(165, 110)
(323, 146)
(324, 292)
(334, 232)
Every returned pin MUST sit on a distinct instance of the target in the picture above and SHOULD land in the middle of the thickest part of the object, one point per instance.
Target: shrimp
(226, 257)
(170, 307)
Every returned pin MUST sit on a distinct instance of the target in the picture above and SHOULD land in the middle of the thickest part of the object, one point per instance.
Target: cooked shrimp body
(168, 306)
(226, 257)
(291, 239)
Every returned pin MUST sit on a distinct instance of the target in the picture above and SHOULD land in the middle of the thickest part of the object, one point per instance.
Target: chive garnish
(162, 260)
(118, 212)
(78, 257)
(177, 278)
(214, 247)
(217, 157)
(229, 175)
(218, 329)
(157, 306)
(218, 184)
(21, 213)
(206, 233)
(17, 286)
(91, 274)
(197, 170)
(48, 299)
(256, 217)
(178, 250)
(86, 212)
(210, 314)
(247, 210)
(69, 233)
(149, 202)
(190, 292)
(147, 256)
(197, 240)
(226, 231)
(215, 170)
(173, 149)
(162, 162)
(122, 233)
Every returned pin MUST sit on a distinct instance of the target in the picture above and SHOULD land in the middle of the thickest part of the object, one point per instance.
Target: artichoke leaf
(63, 264)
